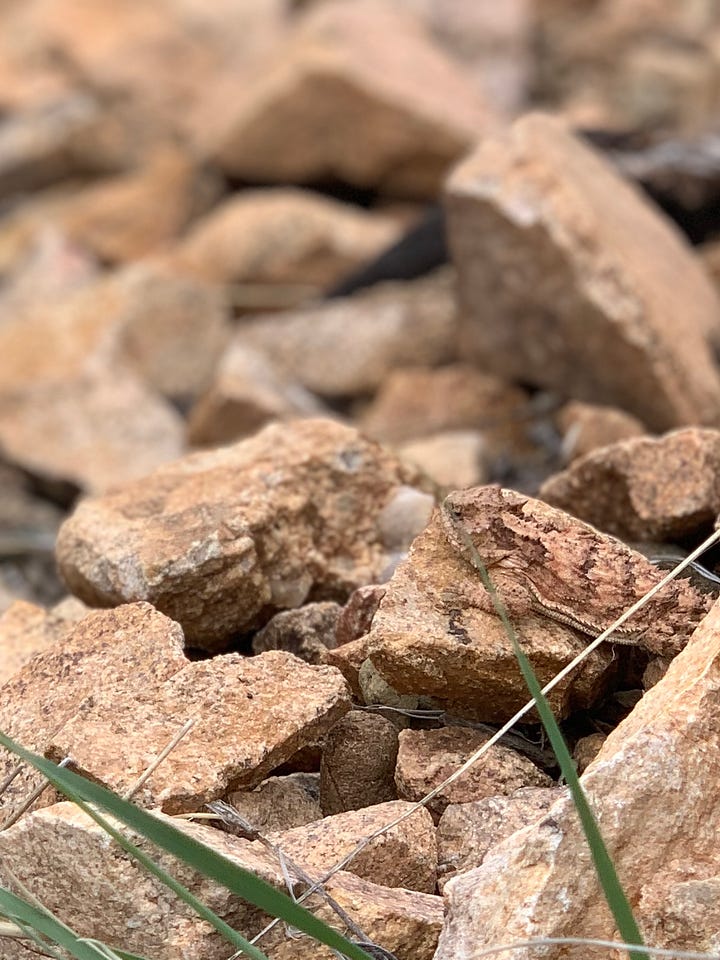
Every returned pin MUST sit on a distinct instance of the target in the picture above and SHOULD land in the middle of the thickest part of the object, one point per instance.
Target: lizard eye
(452, 510)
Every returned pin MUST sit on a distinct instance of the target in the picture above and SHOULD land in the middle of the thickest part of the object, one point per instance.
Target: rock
(586, 426)
(308, 632)
(283, 236)
(372, 333)
(468, 832)
(247, 393)
(223, 539)
(25, 630)
(453, 459)
(710, 254)
(570, 281)
(428, 639)
(586, 749)
(427, 757)
(645, 488)
(358, 763)
(121, 652)
(356, 616)
(658, 767)
(280, 803)
(405, 856)
(376, 691)
(404, 515)
(349, 658)
(359, 94)
(417, 402)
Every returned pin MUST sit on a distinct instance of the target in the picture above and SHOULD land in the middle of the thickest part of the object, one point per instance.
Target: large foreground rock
(221, 540)
(571, 281)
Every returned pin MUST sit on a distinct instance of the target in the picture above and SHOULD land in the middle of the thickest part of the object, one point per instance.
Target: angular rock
(586, 426)
(428, 638)
(359, 94)
(284, 236)
(247, 392)
(357, 614)
(117, 652)
(280, 803)
(427, 757)
(570, 281)
(645, 488)
(467, 832)
(358, 763)
(653, 791)
(372, 333)
(453, 459)
(349, 658)
(308, 632)
(221, 540)
(250, 714)
(25, 630)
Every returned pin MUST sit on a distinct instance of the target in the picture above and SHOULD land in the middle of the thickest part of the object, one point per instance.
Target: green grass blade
(609, 880)
(203, 859)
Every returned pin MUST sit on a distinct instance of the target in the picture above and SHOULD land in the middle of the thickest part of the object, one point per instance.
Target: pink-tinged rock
(222, 539)
(358, 763)
(586, 427)
(653, 789)
(359, 93)
(645, 488)
(251, 714)
(308, 631)
(372, 333)
(454, 459)
(284, 236)
(357, 614)
(429, 638)
(427, 757)
(467, 832)
(25, 630)
(119, 652)
(280, 803)
(571, 281)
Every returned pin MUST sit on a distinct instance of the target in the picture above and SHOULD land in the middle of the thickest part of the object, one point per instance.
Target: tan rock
(710, 254)
(221, 539)
(417, 402)
(647, 488)
(356, 616)
(360, 94)
(25, 630)
(247, 392)
(653, 791)
(120, 651)
(308, 632)
(428, 638)
(586, 426)
(427, 757)
(453, 459)
(358, 763)
(572, 282)
(282, 236)
(467, 832)
(372, 333)
(349, 658)
(280, 803)
(586, 749)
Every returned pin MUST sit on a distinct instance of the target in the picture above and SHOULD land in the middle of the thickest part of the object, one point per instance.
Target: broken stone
(250, 714)
(467, 832)
(356, 616)
(307, 632)
(358, 763)
(427, 639)
(223, 539)
(645, 488)
(572, 282)
(427, 757)
(25, 630)
(586, 749)
(453, 459)
(586, 426)
(372, 333)
(361, 94)
(652, 789)
(349, 658)
(280, 803)
(282, 236)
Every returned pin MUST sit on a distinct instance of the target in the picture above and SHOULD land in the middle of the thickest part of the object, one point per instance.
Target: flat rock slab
(571, 281)
(221, 540)
(646, 488)
(251, 714)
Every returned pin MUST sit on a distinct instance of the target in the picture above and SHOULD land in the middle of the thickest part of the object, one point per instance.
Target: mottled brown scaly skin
(543, 560)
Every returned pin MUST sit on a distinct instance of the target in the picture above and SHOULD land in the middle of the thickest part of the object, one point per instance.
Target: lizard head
(478, 514)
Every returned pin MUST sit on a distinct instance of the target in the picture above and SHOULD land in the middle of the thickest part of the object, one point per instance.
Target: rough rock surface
(427, 638)
(308, 632)
(646, 488)
(280, 803)
(222, 539)
(26, 629)
(570, 281)
(467, 832)
(427, 757)
(250, 714)
(653, 790)
(586, 426)
(360, 94)
(358, 763)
